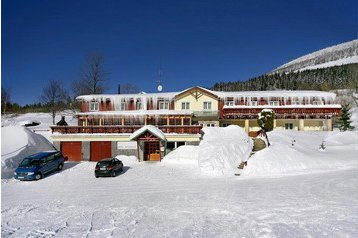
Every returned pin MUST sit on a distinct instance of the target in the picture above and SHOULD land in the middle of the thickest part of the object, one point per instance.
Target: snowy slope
(345, 53)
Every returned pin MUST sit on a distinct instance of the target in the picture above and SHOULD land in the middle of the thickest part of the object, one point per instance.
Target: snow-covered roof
(150, 128)
(221, 94)
(286, 106)
(137, 113)
(276, 93)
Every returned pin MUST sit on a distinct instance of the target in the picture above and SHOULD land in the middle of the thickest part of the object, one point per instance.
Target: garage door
(101, 150)
(73, 150)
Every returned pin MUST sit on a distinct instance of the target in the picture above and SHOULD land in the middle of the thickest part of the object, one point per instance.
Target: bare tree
(92, 76)
(129, 88)
(5, 98)
(55, 97)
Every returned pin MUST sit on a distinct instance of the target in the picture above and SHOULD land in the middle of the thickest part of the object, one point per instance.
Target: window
(207, 106)
(253, 103)
(139, 106)
(274, 103)
(163, 105)
(185, 105)
(288, 126)
(229, 103)
(94, 106)
(123, 106)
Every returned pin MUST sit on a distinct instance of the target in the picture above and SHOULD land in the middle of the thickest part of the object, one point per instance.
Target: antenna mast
(160, 81)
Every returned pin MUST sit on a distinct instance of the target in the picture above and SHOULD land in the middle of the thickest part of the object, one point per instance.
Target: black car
(108, 167)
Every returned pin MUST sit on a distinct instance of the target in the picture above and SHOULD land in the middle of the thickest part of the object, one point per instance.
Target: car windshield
(104, 163)
(27, 163)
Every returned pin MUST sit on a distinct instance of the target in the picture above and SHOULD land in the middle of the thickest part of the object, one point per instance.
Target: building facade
(151, 125)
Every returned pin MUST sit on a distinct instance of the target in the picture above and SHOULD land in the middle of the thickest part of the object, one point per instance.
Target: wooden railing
(282, 113)
(192, 129)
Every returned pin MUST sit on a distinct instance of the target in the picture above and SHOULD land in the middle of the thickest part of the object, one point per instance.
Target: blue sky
(197, 42)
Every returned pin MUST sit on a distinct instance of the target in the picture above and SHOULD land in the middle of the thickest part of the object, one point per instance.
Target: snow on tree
(265, 121)
(344, 121)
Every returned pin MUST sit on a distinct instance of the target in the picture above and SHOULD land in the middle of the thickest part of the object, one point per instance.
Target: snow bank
(354, 117)
(17, 142)
(220, 151)
(294, 152)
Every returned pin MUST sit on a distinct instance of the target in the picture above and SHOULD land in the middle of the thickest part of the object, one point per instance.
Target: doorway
(152, 151)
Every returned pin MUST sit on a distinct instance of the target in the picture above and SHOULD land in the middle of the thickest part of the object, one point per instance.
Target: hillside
(332, 68)
(345, 53)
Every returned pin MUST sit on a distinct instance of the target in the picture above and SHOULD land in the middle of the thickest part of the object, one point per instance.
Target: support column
(247, 126)
(168, 121)
(274, 123)
(329, 125)
(301, 124)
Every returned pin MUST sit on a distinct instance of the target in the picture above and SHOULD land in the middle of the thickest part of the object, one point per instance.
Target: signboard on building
(127, 145)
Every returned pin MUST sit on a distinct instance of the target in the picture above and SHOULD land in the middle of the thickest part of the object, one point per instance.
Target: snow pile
(220, 151)
(17, 142)
(127, 160)
(295, 152)
(354, 117)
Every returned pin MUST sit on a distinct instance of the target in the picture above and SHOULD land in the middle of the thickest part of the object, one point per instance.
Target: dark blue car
(36, 166)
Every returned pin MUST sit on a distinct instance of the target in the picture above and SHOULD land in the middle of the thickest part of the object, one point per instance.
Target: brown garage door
(73, 150)
(101, 150)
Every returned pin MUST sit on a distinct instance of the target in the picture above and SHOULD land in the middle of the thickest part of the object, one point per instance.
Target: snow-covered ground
(294, 188)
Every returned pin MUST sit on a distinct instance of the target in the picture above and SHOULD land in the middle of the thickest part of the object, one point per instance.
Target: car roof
(106, 160)
(42, 155)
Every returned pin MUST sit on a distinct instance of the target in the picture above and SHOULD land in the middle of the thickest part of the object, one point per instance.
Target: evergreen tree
(344, 120)
(265, 120)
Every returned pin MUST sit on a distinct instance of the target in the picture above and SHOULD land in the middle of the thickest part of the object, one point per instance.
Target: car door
(118, 164)
(44, 166)
(52, 162)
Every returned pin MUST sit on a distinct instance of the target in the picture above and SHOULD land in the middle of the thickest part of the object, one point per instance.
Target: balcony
(206, 113)
(192, 129)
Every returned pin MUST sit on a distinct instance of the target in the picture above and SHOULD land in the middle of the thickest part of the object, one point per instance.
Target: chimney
(119, 89)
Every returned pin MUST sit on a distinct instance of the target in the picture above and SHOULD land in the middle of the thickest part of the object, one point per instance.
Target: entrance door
(152, 151)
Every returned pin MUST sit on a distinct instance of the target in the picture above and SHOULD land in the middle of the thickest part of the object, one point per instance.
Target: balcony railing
(206, 113)
(189, 129)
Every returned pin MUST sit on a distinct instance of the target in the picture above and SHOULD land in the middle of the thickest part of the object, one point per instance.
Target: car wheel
(114, 173)
(60, 166)
(96, 176)
(38, 176)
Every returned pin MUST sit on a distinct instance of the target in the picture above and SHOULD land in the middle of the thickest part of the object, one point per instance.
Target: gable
(196, 92)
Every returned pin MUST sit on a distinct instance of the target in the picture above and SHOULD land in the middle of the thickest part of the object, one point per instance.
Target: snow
(150, 128)
(283, 158)
(285, 191)
(18, 142)
(348, 60)
(344, 53)
(219, 153)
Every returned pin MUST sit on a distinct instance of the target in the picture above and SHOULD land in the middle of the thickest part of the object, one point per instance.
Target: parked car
(108, 167)
(36, 166)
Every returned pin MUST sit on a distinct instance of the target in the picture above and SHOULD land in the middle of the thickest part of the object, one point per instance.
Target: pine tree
(344, 120)
(265, 120)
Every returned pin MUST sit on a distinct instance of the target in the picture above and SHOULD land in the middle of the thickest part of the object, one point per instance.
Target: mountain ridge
(340, 54)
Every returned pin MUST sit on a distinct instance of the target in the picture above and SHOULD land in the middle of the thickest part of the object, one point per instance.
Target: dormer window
(94, 106)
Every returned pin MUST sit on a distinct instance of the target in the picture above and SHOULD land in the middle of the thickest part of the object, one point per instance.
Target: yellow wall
(197, 105)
